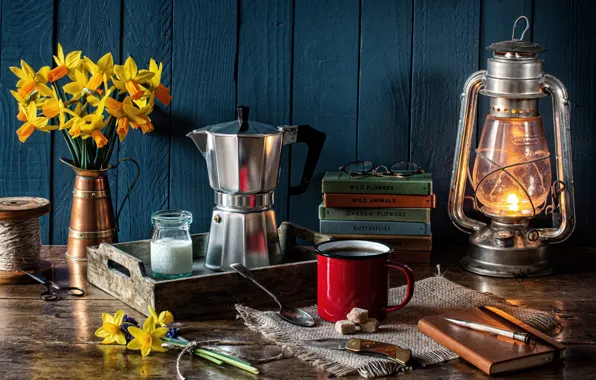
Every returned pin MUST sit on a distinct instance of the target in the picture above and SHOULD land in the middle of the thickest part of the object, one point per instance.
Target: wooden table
(45, 340)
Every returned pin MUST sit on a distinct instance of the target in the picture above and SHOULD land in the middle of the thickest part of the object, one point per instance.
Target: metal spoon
(296, 316)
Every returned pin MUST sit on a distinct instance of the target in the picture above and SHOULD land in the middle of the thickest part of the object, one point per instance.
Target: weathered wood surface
(38, 340)
(324, 92)
(143, 40)
(265, 31)
(204, 91)
(26, 33)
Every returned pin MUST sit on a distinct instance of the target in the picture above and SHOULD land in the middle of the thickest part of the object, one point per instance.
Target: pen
(515, 335)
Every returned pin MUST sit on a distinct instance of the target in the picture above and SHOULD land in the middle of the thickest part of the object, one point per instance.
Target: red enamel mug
(355, 273)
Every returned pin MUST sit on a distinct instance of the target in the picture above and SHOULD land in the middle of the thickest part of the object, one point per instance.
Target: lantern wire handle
(525, 30)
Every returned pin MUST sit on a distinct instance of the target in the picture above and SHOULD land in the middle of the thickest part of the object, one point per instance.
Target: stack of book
(391, 210)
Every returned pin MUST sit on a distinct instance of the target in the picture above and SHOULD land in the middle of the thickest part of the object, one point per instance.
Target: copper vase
(92, 215)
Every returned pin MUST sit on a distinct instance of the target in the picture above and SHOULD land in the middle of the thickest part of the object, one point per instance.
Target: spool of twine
(20, 244)
(20, 236)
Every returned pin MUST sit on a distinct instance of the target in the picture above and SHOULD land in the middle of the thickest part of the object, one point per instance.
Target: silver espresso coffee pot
(243, 164)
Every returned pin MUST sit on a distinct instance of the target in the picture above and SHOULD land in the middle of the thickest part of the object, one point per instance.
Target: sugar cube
(358, 315)
(345, 327)
(370, 326)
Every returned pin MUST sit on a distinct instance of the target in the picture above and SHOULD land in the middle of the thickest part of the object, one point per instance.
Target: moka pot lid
(242, 126)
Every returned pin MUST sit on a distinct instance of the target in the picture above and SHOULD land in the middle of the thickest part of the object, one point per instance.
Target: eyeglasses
(366, 168)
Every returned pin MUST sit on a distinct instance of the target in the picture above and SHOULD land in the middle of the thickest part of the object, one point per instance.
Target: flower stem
(84, 156)
(228, 359)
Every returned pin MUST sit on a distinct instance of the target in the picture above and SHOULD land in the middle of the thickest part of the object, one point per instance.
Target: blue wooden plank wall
(381, 77)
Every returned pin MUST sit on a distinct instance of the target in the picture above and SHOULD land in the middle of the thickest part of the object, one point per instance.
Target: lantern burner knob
(504, 238)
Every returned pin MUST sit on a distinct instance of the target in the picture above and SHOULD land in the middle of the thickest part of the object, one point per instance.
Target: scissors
(52, 290)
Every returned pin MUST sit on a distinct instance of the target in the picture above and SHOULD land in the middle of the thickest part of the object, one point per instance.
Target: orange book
(491, 353)
(379, 200)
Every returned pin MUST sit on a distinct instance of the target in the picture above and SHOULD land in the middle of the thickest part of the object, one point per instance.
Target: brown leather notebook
(378, 200)
(490, 353)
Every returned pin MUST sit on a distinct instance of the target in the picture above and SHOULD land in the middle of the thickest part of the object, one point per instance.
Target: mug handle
(409, 280)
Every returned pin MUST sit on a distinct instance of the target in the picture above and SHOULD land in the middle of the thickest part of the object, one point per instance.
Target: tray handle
(121, 263)
(289, 232)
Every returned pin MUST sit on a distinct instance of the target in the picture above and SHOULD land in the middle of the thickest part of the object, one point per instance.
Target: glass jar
(171, 245)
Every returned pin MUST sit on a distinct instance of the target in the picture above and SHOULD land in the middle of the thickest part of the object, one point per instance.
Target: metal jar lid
(243, 126)
(18, 208)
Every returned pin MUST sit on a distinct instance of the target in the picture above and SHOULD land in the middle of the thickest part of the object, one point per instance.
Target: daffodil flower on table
(30, 81)
(147, 339)
(163, 318)
(65, 64)
(129, 78)
(110, 330)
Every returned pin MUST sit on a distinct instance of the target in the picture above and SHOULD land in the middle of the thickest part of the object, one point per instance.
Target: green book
(375, 214)
(343, 183)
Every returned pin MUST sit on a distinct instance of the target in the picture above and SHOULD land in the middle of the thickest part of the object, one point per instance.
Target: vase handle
(129, 189)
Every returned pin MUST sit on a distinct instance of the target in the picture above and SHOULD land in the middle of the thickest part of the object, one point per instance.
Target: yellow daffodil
(76, 87)
(129, 78)
(147, 339)
(30, 81)
(162, 93)
(110, 330)
(52, 106)
(75, 122)
(100, 72)
(163, 319)
(93, 124)
(65, 64)
(144, 112)
(75, 126)
(127, 115)
(22, 116)
(32, 122)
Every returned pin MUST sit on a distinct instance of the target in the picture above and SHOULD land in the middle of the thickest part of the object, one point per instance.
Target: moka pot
(243, 163)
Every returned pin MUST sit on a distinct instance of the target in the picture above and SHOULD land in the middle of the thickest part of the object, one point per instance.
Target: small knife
(364, 347)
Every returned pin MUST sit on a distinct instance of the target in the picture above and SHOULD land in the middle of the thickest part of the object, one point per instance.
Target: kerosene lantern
(511, 178)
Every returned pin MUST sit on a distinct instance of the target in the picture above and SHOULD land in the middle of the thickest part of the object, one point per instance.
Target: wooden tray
(123, 271)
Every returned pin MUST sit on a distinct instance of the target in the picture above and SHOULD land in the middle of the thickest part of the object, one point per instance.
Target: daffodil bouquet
(93, 104)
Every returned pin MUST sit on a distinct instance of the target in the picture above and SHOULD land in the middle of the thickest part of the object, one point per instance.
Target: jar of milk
(171, 245)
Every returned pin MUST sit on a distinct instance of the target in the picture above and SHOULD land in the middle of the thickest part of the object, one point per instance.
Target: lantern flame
(513, 202)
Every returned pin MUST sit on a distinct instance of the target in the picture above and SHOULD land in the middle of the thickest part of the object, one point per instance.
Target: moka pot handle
(314, 140)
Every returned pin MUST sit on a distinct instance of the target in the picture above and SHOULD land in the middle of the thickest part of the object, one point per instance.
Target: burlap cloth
(432, 296)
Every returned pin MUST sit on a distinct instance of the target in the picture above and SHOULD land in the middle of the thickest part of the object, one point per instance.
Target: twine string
(203, 344)
(20, 244)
